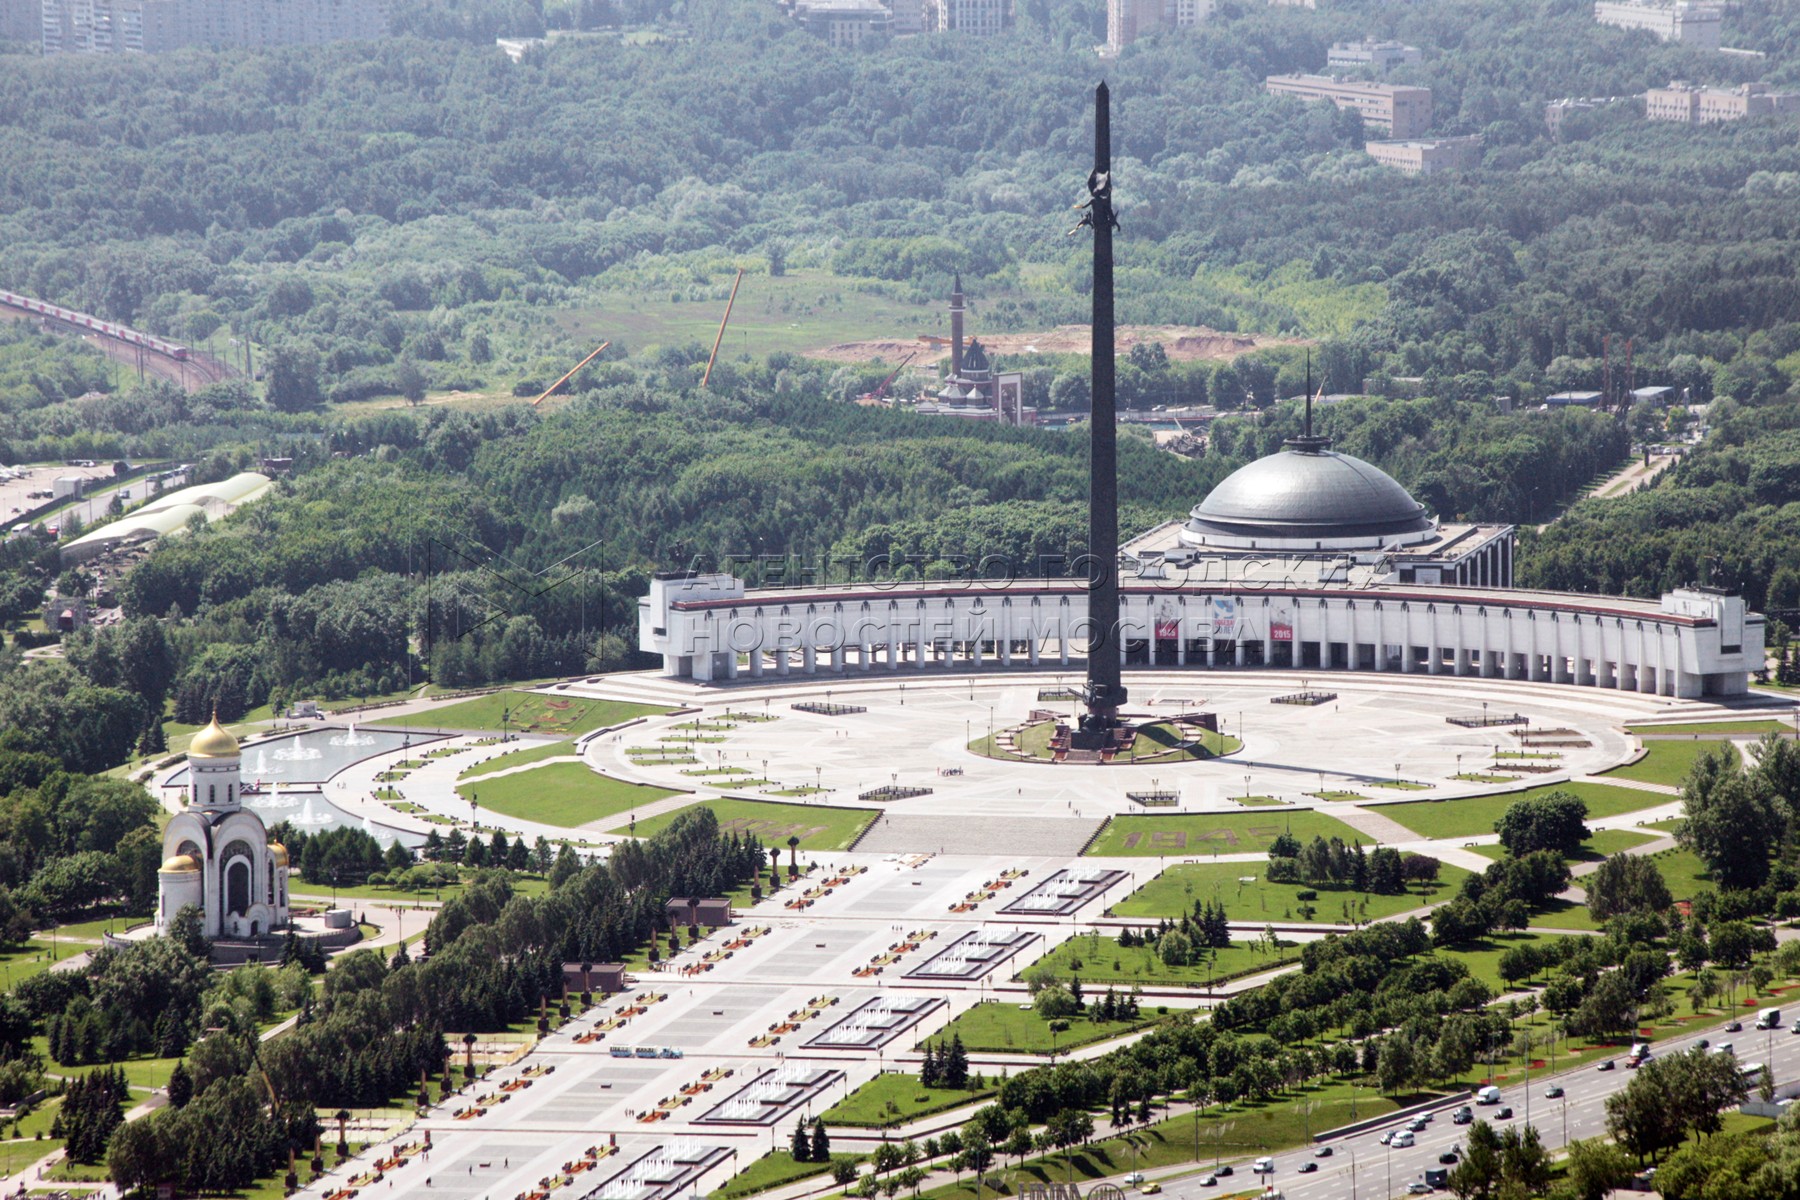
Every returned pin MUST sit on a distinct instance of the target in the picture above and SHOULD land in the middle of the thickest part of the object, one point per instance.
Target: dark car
(1308, 1167)
(1452, 1155)
(1224, 1170)
(1322, 1152)
(1606, 1065)
(1505, 1114)
(1734, 1027)
(1553, 1092)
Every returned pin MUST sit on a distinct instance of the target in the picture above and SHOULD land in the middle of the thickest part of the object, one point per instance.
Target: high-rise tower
(956, 327)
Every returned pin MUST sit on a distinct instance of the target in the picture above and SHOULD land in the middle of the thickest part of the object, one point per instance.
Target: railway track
(187, 368)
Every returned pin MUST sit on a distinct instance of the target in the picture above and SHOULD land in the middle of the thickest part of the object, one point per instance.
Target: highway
(1361, 1168)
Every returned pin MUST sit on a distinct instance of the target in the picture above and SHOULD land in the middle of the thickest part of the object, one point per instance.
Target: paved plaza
(724, 1061)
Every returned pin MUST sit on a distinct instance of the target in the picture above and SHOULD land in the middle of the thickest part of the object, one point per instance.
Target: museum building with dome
(1306, 559)
(217, 855)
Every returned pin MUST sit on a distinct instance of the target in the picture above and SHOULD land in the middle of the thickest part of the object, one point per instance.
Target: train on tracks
(111, 329)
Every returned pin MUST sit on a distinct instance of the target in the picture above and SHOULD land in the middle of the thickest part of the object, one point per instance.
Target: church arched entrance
(237, 887)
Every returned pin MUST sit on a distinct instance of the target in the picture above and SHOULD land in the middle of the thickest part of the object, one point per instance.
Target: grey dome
(1308, 494)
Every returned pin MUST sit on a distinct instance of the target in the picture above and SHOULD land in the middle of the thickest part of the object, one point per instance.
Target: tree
(1596, 1167)
(1054, 1001)
(1479, 1172)
(293, 378)
(801, 1148)
(1556, 821)
(1627, 883)
(1731, 819)
(181, 1085)
(821, 1142)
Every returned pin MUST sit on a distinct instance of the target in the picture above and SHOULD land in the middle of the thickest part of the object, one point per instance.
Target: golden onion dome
(280, 854)
(180, 864)
(213, 742)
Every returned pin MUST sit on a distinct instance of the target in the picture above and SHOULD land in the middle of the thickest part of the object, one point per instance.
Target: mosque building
(217, 855)
(1306, 559)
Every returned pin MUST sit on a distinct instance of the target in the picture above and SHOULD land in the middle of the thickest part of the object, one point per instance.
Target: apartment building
(983, 18)
(1428, 157)
(153, 26)
(1379, 56)
(1695, 105)
(1128, 20)
(1405, 112)
(1689, 23)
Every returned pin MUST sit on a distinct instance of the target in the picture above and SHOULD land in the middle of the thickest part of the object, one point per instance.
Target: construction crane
(723, 321)
(584, 362)
(881, 389)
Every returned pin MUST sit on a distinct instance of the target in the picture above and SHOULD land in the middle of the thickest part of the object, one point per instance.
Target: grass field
(1002, 1027)
(1719, 727)
(894, 1098)
(565, 794)
(1178, 834)
(1483, 957)
(1477, 814)
(819, 827)
(1247, 896)
(1234, 1133)
(1603, 844)
(1099, 961)
(773, 1170)
(527, 712)
(519, 758)
(1664, 762)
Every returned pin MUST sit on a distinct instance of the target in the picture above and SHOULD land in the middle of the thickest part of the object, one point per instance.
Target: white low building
(1306, 559)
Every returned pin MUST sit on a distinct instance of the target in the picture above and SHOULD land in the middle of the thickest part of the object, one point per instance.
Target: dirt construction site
(1182, 343)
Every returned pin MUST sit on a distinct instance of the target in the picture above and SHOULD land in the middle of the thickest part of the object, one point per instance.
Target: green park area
(1248, 897)
(1099, 961)
(1004, 1027)
(819, 827)
(565, 794)
(1602, 844)
(1179, 834)
(895, 1098)
(1664, 762)
(1477, 814)
(1713, 728)
(519, 758)
(527, 712)
(773, 1170)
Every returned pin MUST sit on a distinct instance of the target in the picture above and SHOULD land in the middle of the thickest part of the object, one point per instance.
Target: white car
(1402, 1140)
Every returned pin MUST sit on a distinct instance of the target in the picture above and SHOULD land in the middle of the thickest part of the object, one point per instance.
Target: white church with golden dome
(217, 855)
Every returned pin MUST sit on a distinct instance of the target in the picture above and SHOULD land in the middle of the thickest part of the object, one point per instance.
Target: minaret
(956, 327)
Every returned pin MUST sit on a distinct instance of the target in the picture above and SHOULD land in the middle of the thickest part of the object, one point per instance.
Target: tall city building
(152, 26)
(1128, 20)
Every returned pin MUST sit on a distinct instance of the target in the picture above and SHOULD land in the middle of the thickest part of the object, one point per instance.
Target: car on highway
(1417, 1124)
(1402, 1140)
(1605, 1064)
(1307, 1168)
(1135, 1177)
(1322, 1152)
(1263, 1166)
(1151, 1189)
(1725, 1048)
(1224, 1171)
(1734, 1027)
(1505, 1114)
(1553, 1092)
(1463, 1115)
(1387, 1139)
(1452, 1155)
(1416, 1188)
(1210, 1181)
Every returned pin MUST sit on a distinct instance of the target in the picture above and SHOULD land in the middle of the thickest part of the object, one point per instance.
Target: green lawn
(1234, 1133)
(565, 794)
(1099, 960)
(1247, 896)
(1683, 871)
(818, 826)
(894, 1098)
(1477, 814)
(520, 758)
(1664, 762)
(36, 955)
(527, 712)
(1002, 1027)
(522, 884)
(1151, 836)
(17, 1156)
(1724, 727)
(773, 1170)
(1604, 843)
(1483, 957)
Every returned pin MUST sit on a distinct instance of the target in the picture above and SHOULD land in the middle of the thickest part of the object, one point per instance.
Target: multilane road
(1361, 1168)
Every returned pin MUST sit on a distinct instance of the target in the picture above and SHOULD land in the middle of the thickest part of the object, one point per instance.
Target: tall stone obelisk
(1105, 693)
